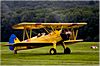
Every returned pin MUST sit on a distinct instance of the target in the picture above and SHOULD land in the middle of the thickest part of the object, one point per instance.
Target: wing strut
(46, 30)
(24, 34)
(30, 33)
(74, 34)
(52, 28)
(27, 34)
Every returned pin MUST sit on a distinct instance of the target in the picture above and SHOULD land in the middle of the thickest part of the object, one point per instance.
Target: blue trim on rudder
(11, 41)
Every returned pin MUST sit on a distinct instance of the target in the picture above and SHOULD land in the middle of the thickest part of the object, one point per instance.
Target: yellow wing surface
(48, 25)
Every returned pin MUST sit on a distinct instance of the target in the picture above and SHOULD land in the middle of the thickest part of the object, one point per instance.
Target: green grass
(81, 54)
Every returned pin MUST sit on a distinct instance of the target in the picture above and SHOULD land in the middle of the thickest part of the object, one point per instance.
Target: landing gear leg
(15, 51)
(53, 50)
(66, 49)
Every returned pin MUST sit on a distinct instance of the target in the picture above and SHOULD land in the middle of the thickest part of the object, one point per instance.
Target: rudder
(13, 39)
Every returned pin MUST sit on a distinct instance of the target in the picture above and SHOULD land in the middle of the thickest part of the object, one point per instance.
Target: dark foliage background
(14, 12)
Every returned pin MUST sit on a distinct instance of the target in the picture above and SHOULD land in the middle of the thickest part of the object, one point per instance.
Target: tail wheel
(15, 51)
(53, 51)
(67, 51)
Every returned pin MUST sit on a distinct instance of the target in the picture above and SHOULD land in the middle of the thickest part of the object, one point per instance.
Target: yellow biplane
(61, 33)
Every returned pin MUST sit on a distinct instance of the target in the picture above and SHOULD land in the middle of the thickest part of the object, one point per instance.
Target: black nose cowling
(65, 36)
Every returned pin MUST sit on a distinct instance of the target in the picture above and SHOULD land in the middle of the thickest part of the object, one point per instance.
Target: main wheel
(67, 51)
(53, 51)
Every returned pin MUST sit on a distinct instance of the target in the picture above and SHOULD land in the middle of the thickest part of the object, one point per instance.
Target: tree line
(90, 15)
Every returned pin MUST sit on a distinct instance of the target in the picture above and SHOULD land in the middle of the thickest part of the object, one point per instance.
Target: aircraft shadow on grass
(43, 54)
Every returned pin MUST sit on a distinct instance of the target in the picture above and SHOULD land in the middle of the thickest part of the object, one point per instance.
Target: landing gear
(67, 51)
(53, 51)
(15, 51)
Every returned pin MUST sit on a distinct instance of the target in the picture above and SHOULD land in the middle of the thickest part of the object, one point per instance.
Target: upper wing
(63, 25)
(28, 26)
(48, 25)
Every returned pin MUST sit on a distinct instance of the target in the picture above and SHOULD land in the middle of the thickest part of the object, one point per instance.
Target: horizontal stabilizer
(6, 44)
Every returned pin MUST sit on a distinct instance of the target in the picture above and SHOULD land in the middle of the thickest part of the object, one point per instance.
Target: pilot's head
(43, 33)
(39, 34)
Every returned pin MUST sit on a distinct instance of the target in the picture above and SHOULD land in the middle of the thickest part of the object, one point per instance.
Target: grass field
(81, 54)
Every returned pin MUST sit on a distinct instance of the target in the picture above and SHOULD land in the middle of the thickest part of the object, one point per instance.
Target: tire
(67, 51)
(15, 51)
(29, 47)
(53, 51)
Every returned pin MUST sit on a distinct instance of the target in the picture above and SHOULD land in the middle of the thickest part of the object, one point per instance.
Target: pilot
(39, 34)
(68, 33)
(43, 34)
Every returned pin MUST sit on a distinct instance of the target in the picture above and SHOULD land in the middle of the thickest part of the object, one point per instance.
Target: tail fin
(13, 39)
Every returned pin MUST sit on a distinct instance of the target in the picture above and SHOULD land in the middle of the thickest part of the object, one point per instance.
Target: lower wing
(33, 44)
(72, 41)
